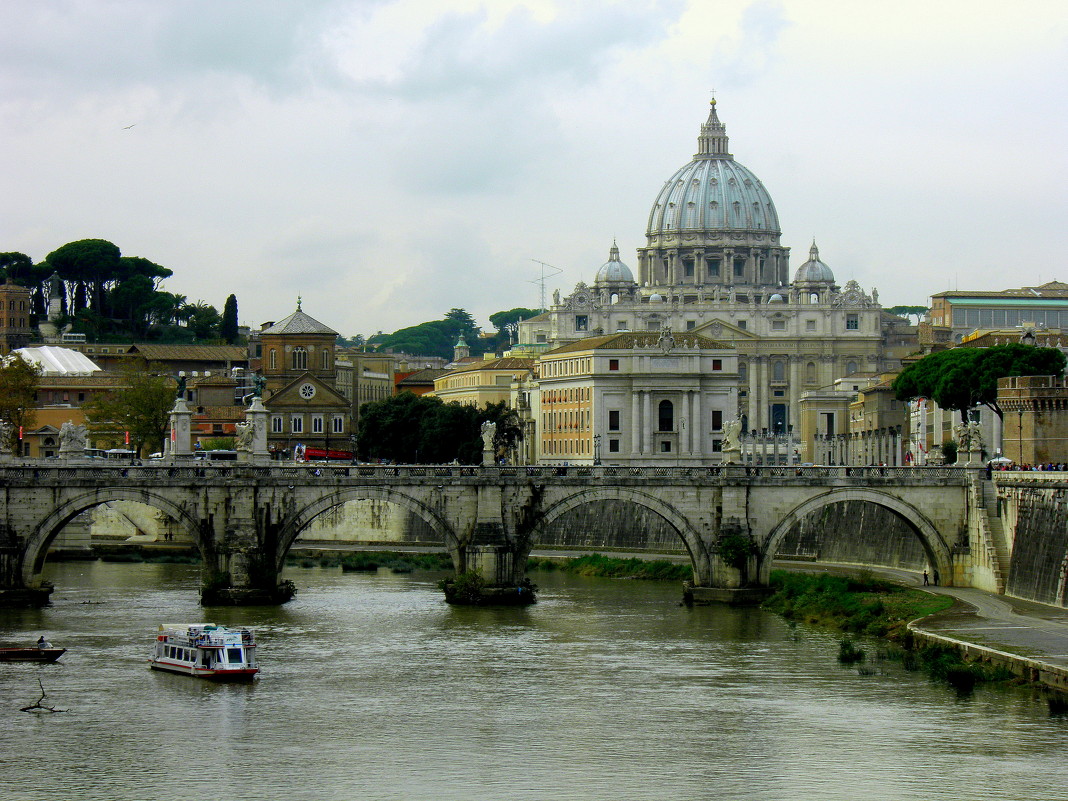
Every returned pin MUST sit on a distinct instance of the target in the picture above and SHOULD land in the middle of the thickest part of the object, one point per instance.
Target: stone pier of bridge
(244, 518)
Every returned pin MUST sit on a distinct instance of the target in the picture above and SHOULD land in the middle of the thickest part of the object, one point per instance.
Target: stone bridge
(245, 518)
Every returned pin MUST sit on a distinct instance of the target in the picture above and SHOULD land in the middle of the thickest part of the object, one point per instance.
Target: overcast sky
(388, 160)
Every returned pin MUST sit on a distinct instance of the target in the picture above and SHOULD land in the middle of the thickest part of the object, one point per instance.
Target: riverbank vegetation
(369, 561)
(866, 605)
(612, 567)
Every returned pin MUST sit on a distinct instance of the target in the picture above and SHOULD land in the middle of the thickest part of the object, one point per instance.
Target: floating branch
(39, 707)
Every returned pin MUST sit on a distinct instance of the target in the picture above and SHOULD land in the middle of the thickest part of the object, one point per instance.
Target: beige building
(631, 398)
(964, 312)
(1036, 418)
(364, 378)
(714, 265)
(482, 382)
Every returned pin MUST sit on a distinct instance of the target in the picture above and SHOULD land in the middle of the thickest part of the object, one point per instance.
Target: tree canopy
(419, 429)
(435, 338)
(141, 406)
(18, 387)
(909, 311)
(962, 378)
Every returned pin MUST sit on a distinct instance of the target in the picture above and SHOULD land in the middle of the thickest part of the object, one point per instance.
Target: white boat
(206, 651)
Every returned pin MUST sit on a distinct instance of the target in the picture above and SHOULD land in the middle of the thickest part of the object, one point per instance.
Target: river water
(373, 688)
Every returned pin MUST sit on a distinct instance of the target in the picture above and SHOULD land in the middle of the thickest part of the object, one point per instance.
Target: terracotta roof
(506, 363)
(425, 376)
(220, 413)
(633, 340)
(200, 353)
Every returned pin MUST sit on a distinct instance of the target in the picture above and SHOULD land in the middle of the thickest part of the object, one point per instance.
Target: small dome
(813, 270)
(776, 298)
(614, 271)
(656, 298)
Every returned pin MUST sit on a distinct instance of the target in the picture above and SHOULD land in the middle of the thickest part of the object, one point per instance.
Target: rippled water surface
(373, 688)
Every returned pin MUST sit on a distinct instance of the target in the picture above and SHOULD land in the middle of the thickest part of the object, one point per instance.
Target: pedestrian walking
(936, 578)
(925, 581)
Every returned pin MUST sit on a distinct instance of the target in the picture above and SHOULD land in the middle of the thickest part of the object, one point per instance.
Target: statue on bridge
(71, 438)
(246, 433)
(963, 433)
(732, 436)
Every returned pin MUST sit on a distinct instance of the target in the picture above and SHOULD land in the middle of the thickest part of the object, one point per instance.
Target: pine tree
(228, 329)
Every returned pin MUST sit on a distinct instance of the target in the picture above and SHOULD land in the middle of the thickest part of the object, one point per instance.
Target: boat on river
(206, 651)
(31, 654)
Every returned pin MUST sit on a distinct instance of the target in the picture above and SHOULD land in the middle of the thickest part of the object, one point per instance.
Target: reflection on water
(373, 688)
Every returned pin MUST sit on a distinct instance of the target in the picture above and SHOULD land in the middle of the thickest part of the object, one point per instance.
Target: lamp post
(1019, 437)
(596, 449)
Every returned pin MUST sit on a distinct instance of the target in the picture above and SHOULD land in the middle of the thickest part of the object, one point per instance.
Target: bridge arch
(682, 525)
(934, 545)
(68, 508)
(295, 525)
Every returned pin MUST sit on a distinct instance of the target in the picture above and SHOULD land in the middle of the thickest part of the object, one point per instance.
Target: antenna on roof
(541, 280)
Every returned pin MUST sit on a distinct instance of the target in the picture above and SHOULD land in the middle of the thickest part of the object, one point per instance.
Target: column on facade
(697, 426)
(646, 423)
(684, 424)
(792, 420)
(635, 424)
(756, 385)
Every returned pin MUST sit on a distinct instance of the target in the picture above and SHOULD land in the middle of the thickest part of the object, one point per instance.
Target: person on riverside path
(925, 581)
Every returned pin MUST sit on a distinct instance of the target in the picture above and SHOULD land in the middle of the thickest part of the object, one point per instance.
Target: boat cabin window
(233, 655)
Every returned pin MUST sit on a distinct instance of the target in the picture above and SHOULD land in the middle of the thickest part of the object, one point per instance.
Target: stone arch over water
(598, 501)
(293, 527)
(48, 529)
(933, 544)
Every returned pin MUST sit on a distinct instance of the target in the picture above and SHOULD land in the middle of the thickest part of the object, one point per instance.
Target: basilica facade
(714, 266)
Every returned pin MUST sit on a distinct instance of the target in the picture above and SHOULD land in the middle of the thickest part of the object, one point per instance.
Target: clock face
(307, 391)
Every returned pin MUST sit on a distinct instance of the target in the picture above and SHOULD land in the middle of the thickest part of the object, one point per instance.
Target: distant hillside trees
(438, 337)
(106, 295)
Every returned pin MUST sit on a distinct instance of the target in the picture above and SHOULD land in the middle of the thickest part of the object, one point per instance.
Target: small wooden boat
(31, 654)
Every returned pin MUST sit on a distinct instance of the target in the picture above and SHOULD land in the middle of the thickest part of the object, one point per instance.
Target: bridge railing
(52, 470)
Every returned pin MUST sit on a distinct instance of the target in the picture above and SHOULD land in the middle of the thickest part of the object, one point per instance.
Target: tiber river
(373, 688)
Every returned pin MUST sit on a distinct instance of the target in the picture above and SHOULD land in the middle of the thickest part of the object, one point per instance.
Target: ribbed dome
(813, 270)
(713, 192)
(614, 271)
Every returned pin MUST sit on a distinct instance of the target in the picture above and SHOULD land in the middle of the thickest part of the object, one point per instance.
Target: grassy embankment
(866, 605)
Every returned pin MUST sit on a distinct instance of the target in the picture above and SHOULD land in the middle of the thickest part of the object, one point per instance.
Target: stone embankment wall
(611, 526)
(857, 533)
(1039, 563)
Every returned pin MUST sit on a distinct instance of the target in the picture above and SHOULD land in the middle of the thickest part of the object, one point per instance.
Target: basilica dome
(713, 192)
(614, 271)
(813, 270)
(713, 223)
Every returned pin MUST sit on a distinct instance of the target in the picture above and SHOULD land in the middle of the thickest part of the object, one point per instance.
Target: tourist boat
(205, 650)
(31, 654)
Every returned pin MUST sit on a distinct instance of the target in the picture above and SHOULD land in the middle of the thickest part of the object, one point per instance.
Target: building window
(739, 267)
(276, 424)
(325, 359)
(339, 424)
(717, 420)
(691, 325)
(613, 420)
(665, 446)
(810, 373)
(687, 268)
(810, 325)
(778, 371)
(851, 367)
(613, 364)
(778, 325)
(300, 359)
(717, 364)
(613, 446)
(317, 424)
(273, 359)
(717, 446)
(779, 393)
(852, 322)
(296, 424)
(743, 324)
(582, 322)
(666, 416)
(539, 339)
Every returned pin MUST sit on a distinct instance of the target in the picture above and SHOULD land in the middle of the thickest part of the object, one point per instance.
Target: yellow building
(482, 382)
(633, 398)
